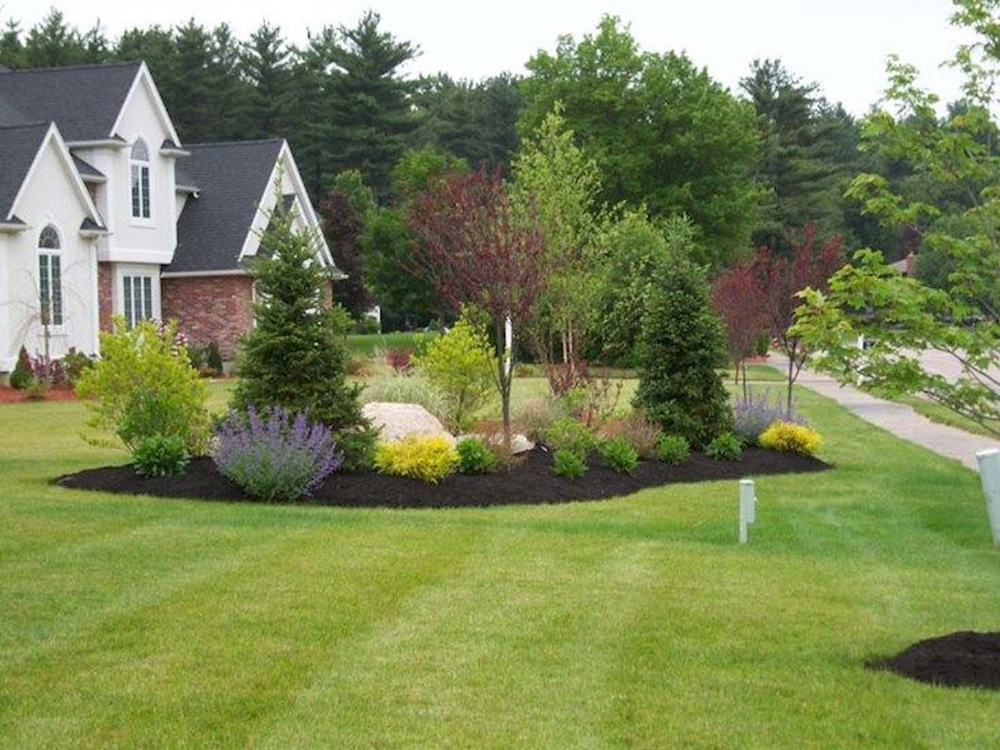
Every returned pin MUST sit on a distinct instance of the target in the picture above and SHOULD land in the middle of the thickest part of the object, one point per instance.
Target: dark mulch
(963, 659)
(530, 482)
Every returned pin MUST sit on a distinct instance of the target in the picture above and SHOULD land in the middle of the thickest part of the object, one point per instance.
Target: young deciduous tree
(739, 301)
(344, 211)
(479, 249)
(781, 278)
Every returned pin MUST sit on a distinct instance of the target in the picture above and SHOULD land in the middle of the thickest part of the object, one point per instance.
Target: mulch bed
(963, 659)
(10, 395)
(530, 482)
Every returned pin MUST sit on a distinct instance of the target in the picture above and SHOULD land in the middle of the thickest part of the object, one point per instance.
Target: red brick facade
(105, 288)
(210, 308)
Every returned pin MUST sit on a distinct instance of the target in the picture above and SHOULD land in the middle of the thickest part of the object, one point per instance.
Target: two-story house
(103, 211)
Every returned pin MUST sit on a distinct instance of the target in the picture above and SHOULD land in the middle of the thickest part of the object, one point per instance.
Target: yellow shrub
(429, 459)
(791, 438)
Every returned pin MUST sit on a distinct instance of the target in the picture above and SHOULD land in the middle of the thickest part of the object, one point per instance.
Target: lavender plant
(275, 456)
(755, 413)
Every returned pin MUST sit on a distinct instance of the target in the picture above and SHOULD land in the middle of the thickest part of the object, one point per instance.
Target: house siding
(210, 308)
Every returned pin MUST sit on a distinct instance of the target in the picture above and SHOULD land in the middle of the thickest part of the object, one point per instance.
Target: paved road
(899, 419)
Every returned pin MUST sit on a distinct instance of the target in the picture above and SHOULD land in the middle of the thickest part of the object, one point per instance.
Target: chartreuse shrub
(277, 456)
(725, 447)
(619, 455)
(144, 386)
(295, 357)
(791, 438)
(461, 364)
(568, 434)
(673, 449)
(475, 456)
(568, 463)
(429, 459)
(159, 456)
(681, 346)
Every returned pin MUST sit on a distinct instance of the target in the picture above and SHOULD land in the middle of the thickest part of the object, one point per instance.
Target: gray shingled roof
(18, 146)
(83, 101)
(232, 178)
(86, 170)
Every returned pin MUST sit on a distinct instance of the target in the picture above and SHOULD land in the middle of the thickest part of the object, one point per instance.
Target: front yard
(635, 622)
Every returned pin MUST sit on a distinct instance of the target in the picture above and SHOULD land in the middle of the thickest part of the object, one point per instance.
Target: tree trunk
(792, 352)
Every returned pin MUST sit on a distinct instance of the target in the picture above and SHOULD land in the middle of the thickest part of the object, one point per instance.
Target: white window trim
(141, 221)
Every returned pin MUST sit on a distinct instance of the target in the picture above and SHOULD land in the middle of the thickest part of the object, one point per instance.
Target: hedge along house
(104, 212)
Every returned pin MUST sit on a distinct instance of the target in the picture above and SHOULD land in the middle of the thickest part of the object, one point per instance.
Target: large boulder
(397, 421)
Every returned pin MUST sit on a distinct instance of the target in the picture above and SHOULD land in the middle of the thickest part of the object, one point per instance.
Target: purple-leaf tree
(480, 250)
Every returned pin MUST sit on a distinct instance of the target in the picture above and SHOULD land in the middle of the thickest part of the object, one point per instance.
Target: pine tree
(295, 356)
(265, 66)
(682, 345)
(369, 111)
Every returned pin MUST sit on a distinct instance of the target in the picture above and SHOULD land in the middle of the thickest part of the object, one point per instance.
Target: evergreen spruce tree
(295, 357)
(682, 345)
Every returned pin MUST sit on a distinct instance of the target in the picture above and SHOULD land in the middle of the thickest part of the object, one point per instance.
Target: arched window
(50, 277)
(140, 180)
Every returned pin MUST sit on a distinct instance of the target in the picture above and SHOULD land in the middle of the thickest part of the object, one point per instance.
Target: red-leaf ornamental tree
(478, 249)
(781, 278)
(739, 301)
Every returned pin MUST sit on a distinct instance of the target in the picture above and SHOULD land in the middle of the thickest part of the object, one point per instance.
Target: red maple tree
(739, 301)
(478, 249)
(780, 279)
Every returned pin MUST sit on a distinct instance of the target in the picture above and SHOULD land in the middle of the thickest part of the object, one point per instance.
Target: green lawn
(636, 622)
(367, 344)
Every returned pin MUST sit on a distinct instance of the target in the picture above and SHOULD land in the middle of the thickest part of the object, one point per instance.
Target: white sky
(842, 44)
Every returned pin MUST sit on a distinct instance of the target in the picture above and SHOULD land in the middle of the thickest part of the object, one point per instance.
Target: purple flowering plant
(275, 456)
(755, 413)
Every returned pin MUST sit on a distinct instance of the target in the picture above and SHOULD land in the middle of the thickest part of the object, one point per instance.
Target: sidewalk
(899, 419)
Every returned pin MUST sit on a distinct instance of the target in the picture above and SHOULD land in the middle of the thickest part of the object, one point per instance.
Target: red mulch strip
(10, 395)
(963, 659)
(530, 482)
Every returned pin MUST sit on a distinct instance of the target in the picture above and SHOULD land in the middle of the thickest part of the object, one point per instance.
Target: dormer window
(140, 180)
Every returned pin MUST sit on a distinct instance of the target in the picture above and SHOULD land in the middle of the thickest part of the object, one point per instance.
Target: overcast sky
(842, 44)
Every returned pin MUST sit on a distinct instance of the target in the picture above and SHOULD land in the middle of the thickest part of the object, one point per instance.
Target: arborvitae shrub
(21, 376)
(681, 347)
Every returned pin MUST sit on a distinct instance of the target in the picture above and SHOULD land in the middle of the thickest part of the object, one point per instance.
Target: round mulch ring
(530, 482)
(963, 659)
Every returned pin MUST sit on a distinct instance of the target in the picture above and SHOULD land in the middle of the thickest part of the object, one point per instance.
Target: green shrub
(159, 456)
(74, 364)
(21, 376)
(619, 455)
(568, 434)
(569, 464)
(144, 385)
(725, 447)
(462, 366)
(673, 449)
(475, 456)
(681, 347)
(429, 459)
(791, 438)
(36, 389)
(213, 359)
(359, 447)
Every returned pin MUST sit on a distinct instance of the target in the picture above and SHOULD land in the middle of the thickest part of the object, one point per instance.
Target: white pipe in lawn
(748, 507)
(989, 475)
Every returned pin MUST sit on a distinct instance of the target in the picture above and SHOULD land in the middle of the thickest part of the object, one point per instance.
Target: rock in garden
(397, 421)
(518, 443)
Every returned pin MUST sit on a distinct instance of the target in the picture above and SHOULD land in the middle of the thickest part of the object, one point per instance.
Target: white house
(103, 211)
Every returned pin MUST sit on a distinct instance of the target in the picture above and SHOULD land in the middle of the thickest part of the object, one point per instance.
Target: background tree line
(668, 142)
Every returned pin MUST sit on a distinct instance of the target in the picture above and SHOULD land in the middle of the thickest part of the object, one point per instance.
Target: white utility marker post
(989, 475)
(748, 507)
(508, 345)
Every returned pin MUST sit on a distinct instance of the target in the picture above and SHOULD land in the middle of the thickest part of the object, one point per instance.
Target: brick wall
(210, 308)
(105, 309)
